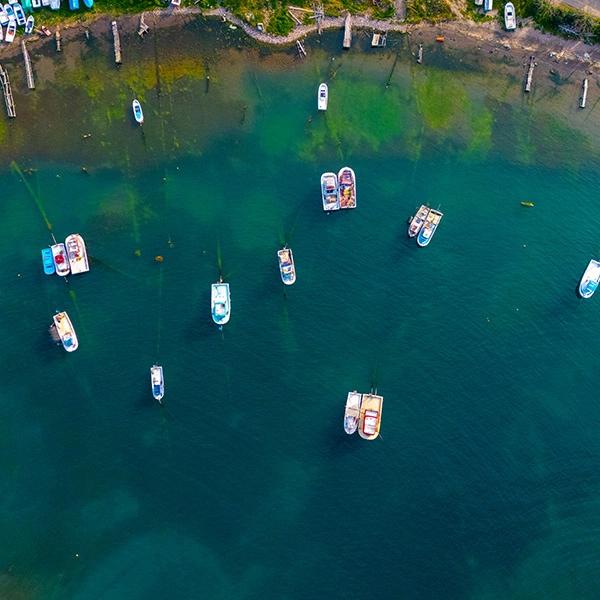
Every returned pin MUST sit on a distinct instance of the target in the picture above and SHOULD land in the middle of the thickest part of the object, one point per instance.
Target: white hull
(138, 113)
(287, 268)
(65, 331)
(157, 381)
(220, 303)
(417, 221)
(510, 20)
(330, 192)
(488, 5)
(323, 97)
(370, 416)
(77, 254)
(591, 278)
(61, 260)
(352, 412)
(11, 31)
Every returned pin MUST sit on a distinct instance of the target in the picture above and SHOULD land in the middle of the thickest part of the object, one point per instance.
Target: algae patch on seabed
(482, 126)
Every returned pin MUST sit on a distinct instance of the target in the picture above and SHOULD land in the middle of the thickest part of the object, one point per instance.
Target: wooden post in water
(28, 69)
(57, 38)
(530, 74)
(347, 31)
(7, 91)
(584, 90)
(116, 43)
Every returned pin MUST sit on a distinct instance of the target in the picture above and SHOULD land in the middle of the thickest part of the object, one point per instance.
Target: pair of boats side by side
(70, 257)
(424, 224)
(338, 191)
(363, 412)
(510, 17)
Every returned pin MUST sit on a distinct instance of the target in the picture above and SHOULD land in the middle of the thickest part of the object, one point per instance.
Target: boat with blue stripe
(429, 227)
(590, 279)
(220, 302)
(48, 261)
(158, 382)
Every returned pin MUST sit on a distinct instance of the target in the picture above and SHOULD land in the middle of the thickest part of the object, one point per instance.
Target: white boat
(36, 3)
(137, 111)
(77, 254)
(590, 279)
(488, 5)
(323, 97)
(3, 17)
(61, 260)
(175, 2)
(287, 269)
(347, 184)
(417, 221)
(29, 24)
(65, 331)
(510, 19)
(330, 191)
(352, 412)
(158, 382)
(478, 2)
(220, 302)
(19, 14)
(370, 416)
(11, 31)
(55, 4)
(429, 227)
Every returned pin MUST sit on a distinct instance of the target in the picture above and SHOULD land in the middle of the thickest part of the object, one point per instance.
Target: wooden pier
(57, 39)
(7, 91)
(116, 43)
(584, 91)
(28, 68)
(379, 40)
(347, 31)
(301, 49)
(529, 79)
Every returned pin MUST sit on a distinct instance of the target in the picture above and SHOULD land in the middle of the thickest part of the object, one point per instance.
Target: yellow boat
(527, 203)
(370, 416)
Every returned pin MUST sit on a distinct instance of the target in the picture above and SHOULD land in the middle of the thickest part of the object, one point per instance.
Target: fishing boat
(65, 331)
(61, 261)
(36, 3)
(74, 4)
(29, 25)
(347, 184)
(417, 221)
(527, 203)
(11, 31)
(431, 222)
(488, 5)
(287, 268)
(370, 416)
(55, 4)
(137, 111)
(510, 18)
(48, 261)
(9, 12)
(323, 97)
(89, 3)
(330, 191)
(220, 302)
(352, 412)
(590, 279)
(158, 382)
(77, 254)
(3, 17)
(19, 14)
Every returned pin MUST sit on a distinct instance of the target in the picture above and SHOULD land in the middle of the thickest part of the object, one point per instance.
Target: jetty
(584, 91)
(529, 79)
(28, 68)
(379, 40)
(57, 39)
(347, 31)
(7, 91)
(116, 43)
(301, 49)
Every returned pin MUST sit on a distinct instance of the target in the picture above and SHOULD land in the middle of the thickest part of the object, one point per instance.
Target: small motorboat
(45, 31)
(175, 2)
(29, 25)
(510, 18)
(48, 261)
(9, 12)
(55, 4)
(429, 227)
(66, 332)
(3, 17)
(417, 221)
(478, 2)
(138, 113)
(11, 31)
(488, 5)
(89, 3)
(287, 268)
(220, 303)
(36, 3)
(352, 412)
(330, 191)
(370, 416)
(74, 4)
(19, 14)
(61, 261)
(347, 183)
(323, 97)
(527, 203)
(158, 382)
(590, 279)
(77, 254)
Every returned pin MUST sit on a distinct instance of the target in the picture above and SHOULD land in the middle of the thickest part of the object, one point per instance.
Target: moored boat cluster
(363, 413)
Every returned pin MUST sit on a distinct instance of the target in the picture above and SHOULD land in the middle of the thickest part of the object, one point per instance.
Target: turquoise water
(483, 483)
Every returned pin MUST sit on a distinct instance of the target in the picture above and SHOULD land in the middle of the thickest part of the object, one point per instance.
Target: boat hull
(347, 187)
(61, 260)
(19, 14)
(48, 261)
(352, 412)
(417, 221)
(370, 416)
(220, 303)
(65, 331)
(77, 254)
(330, 194)
(11, 31)
(287, 268)
(138, 113)
(429, 227)
(29, 25)
(323, 97)
(590, 279)
(157, 382)
(510, 20)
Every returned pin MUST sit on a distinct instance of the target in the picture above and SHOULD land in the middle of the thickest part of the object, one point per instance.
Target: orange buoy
(158, 258)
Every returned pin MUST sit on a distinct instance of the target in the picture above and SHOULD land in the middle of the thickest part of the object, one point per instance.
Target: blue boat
(74, 4)
(48, 261)
(431, 222)
(26, 4)
(10, 13)
(138, 113)
(19, 14)
(89, 3)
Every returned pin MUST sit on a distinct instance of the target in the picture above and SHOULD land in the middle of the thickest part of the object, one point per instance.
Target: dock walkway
(7, 91)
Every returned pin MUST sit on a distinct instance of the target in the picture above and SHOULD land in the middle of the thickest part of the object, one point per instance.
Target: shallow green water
(484, 482)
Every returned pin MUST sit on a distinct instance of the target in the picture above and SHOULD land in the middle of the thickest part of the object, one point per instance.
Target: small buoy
(137, 252)
(84, 169)
(159, 258)
(76, 555)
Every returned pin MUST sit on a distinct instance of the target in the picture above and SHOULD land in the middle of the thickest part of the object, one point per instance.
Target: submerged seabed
(484, 481)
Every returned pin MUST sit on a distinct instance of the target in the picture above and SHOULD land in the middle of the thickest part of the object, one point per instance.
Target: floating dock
(584, 91)
(28, 68)
(379, 40)
(7, 91)
(347, 31)
(116, 43)
(529, 79)
(301, 49)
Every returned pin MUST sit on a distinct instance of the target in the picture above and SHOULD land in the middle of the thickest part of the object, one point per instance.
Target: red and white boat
(61, 260)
